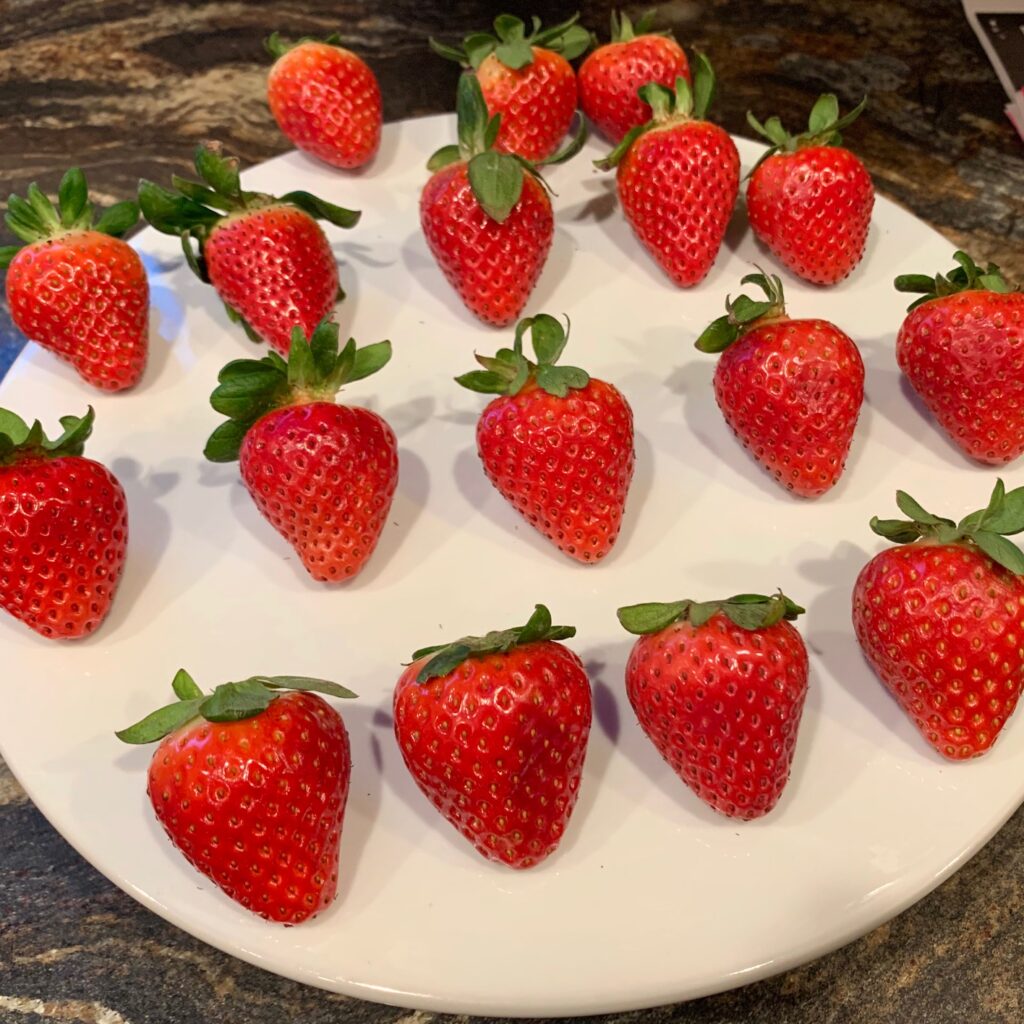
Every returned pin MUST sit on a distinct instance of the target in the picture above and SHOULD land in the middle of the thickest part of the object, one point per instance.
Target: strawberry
(250, 785)
(719, 688)
(76, 288)
(939, 619)
(678, 177)
(557, 443)
(610, 77)
(809, 199)
(63, 528)
(960, 349)
(494, 731)
(322, 474)
(527, 79)
(266, 256)
(486, 215)
(791, 390)
(325, 99)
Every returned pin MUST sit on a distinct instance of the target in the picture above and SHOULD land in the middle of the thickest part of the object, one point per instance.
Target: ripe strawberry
(486, 215)
(325, 99)
(63, 528)
(527, 79)
(266, 256)
(678, 176)
(719, 688)
(940, 618)
(322, 474)
(960, 349)
(75, 288)
(809, 199)
(494, 731)
(557, 444)
(791, 390)
(250, 785)
(610, 77)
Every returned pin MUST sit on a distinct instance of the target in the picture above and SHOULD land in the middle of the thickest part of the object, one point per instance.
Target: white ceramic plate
(652, 897)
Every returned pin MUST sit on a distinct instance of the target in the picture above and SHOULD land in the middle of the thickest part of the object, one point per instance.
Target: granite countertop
(126, 89)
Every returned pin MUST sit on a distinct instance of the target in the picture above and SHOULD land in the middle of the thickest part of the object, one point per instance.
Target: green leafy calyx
(744, 314)
(824, 127)
(20, 441)
(966, 276)
(314, 372)
(448, 657)
(230, 702)
(669, 107)
(748, 611)
(277, 46)
(36, 218)
(624, 31)
(986, 529)
(513, 45)
(509, 371)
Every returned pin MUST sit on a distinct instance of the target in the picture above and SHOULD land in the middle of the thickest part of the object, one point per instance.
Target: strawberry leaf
(321, 209)
(909, 507)
(161, 723)
(824, 113)
(497, 183)
(443, 157)
(185, 687)
(118, 219)
(72, 197)
(368, 360)
(1001, 550)
(306, 683)
(478, 47)
(748, 611)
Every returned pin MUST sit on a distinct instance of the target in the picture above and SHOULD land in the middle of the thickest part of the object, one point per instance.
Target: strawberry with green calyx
(809, 199)
(266, 256)
(494, 730)
(526, 78)
(250, 784)
(791, 390)
(486, 215)
(322, 474)
(611, 76)
(719, 688)
(940, 616)
(678, 177)
(557, 443)
(63, 528)
(959, 347)
(74, 287)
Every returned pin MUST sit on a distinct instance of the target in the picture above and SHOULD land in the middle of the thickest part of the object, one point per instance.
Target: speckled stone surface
(125, 89)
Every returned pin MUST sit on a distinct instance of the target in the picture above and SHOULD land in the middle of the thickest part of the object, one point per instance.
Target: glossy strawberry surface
(964, 355)
(564, 463)
(274, 267)
(941, 625)
(498, 745)
(63, 537)
(326, 100)
(257, 805)
(324, 476)
(493, 266)
(611, 75)
(791, 391)
(722, 705)
(84, 296)
(536, 102)
(812, 208)
(678, 186)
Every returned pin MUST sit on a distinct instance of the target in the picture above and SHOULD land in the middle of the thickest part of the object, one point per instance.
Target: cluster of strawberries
(250, 781)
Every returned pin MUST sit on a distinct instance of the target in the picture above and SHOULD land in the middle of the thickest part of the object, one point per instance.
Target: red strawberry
(322, 474)
(76, 288)
(266, 256)
(527, 79)
(960, 347)
(63, 528)
(487, 217)
(250, 785)
(325, 99)
(791, 390)
(719, 688)
(557, 444)
(494, 731)
(610, 77)
(678, 176)
(809, 199)
(940, 619)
